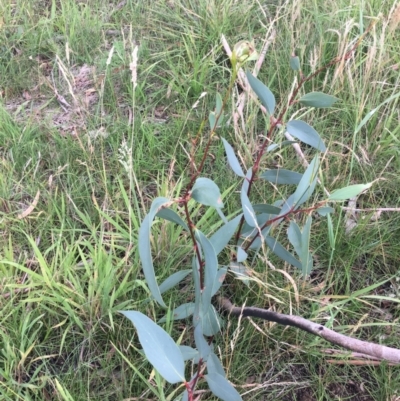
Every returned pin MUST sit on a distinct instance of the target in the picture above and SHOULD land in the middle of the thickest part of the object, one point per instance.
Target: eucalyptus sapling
(253, 227)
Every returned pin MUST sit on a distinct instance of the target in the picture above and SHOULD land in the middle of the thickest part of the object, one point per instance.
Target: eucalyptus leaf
(172, 216)
(240, 271)
(286, 206)
(323, 211)
(232, 159)
(241, 255)
(210, 321)
(201, 344)
(348, 192)
(188, 353)
(221, 387)
(264, 94)
(219, 280)
(215, 118)
(212, 119)
(214, 365)
(206, 192)
(294, 63)
(265, 208)
(305, 256)
(281, 176)
(223, 235)
(246, 181)
(248, 211)
(160, 349)
(221, 215)
(218, 105)
(307, 183)
(307, 134)
(281, 252)
(318, 100)
(250, 231)
(210, 268)
(173, 280)
(181, 312)
(185, 396)
(294, 236)
(145, 249)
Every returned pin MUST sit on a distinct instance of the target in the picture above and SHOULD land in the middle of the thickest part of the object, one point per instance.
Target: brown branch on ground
(375, 350)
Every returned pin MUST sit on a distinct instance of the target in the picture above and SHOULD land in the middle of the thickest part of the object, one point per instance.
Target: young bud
(243, 51)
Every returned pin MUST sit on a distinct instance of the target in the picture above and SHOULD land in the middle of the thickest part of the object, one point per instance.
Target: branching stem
(275, 123)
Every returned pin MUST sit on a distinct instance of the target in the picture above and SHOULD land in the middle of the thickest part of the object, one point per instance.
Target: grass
(75, 183)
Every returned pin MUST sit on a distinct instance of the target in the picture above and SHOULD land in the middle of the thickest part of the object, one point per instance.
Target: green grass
(70, 210)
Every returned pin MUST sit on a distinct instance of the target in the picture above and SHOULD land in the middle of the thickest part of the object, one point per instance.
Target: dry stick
(375, 350)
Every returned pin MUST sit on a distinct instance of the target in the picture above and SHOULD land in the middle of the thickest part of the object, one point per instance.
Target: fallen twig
(375, 350)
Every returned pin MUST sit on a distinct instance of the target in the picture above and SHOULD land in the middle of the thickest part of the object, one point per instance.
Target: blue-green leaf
(219, 280)
(232, 159)
(246, 181)
(305, 256)
(348, 192)
(294, 236)
(170, 215)
(218, 106)
(214, 365)
(323, 211)
(264, 94)
(210, 321)
(241, 255)
(318, 100)
(221, 387)
(265, 208)
(306, 133)
(249, 231)
(307, 183)
(223, 235)
(160, 349)
(210, 268)
(221, 215)
(281, 176)
(281, 252)
(241, 272)
(301, 244)
(181, 312)
(201, 344)
(196, 279)
(212, 120)
(294, 63)
(173, 280)
(188, 353)
(206, 192)
(145, 249)
(286, 206)
(307, 194)
(248, 211)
